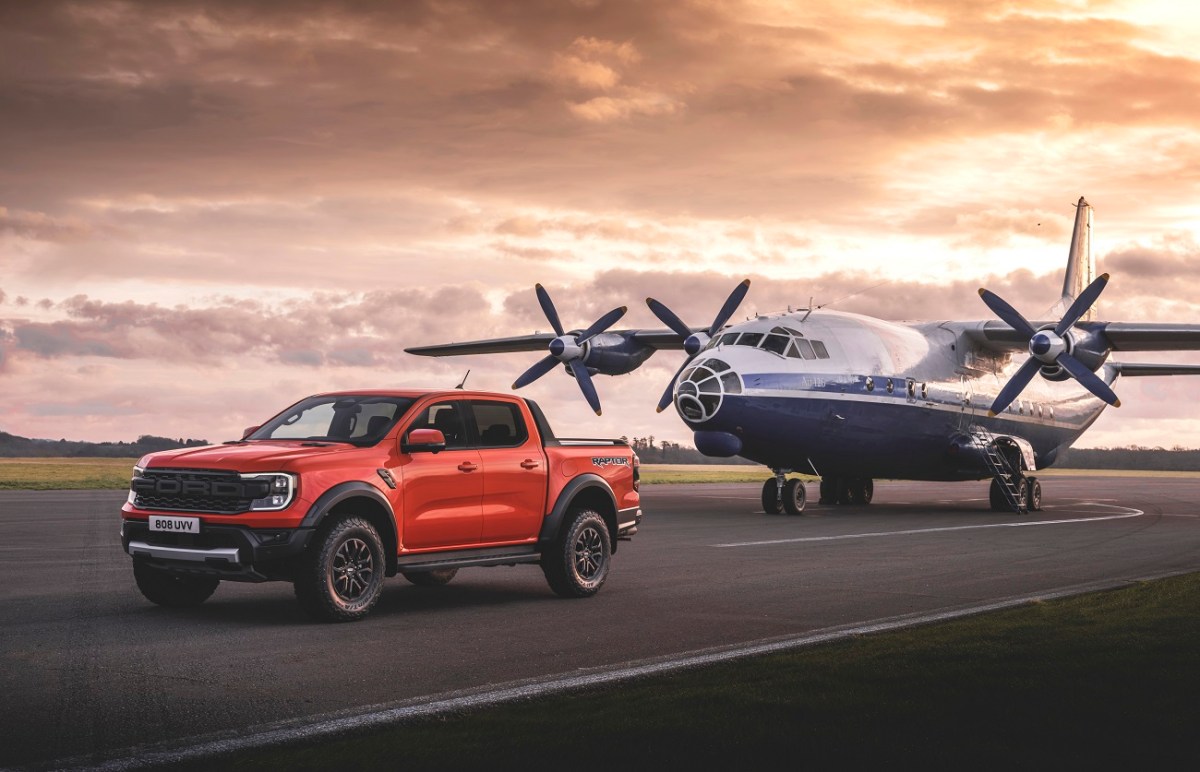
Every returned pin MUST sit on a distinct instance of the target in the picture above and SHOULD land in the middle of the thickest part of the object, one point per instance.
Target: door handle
(529, 463)
(467, 466)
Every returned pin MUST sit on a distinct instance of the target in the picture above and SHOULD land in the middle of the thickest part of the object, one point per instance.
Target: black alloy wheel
(577, 564)
(340, 576)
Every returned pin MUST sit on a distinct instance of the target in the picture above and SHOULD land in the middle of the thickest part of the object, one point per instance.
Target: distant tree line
(12, 446)
(666, 452)
(1176, 459)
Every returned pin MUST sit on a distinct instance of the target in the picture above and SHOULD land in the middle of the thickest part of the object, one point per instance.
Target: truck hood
(255, 456)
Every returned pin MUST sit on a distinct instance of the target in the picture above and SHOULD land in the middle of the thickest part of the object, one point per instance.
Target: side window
(500, 424)
(820, 349)
(447, 418)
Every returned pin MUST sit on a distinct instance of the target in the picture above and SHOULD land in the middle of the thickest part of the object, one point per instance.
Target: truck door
(442, 492)
(514, 472)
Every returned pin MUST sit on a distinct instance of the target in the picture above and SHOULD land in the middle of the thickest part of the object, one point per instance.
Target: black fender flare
(325, 503)
(553, 521)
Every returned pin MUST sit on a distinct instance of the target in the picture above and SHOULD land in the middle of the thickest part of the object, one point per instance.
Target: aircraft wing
(1122, 336)
(1131, 369)
(656, 339)
(536, 342)
(1144, 336)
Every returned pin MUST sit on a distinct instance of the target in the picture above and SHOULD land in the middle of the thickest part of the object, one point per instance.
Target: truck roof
(415, 393)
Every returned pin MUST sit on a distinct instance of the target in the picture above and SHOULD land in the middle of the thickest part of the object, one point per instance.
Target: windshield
(359, 420)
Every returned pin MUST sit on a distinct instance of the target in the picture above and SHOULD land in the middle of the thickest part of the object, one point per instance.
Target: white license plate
(175, 524)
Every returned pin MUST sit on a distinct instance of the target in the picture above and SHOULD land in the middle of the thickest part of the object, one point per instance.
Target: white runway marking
(1130, 512)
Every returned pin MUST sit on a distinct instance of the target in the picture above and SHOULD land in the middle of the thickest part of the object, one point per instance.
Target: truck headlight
(278, 490)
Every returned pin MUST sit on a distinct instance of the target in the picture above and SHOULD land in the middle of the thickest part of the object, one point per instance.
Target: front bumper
(230, 552)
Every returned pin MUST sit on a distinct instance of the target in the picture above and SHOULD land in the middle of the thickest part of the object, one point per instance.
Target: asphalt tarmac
(90, 670)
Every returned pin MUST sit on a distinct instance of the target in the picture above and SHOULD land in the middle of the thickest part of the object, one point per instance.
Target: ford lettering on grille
(196, 491)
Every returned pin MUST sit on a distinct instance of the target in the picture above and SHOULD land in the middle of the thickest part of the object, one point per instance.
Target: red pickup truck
(342, 489)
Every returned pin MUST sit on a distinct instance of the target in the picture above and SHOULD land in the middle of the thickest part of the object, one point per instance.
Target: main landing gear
(780, 494)
(1026, 490)
(847, 490)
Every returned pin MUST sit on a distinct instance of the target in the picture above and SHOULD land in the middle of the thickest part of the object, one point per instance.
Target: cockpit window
(776, 343)
(782, 341)
(751, 339)
(804, 348)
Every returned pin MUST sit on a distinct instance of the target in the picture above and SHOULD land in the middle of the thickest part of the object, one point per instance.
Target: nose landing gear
(780, 494)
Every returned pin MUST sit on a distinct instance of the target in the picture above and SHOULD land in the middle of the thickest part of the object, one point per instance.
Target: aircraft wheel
(828, 491)
(862, 490)
(770, 497)
(844, 490)
(1033, 501)
(1023, 492)
(794, 497)
(996, 497)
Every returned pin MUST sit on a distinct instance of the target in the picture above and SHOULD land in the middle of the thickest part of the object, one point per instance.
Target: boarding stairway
(1002, 472)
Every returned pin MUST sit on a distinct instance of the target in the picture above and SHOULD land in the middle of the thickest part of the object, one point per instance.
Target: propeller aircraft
(853, 398)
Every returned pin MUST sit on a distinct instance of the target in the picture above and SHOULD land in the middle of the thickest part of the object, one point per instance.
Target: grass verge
(113, 473)
(1096, 681)
(45, 474)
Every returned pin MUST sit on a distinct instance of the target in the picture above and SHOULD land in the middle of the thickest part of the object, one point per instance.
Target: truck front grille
(193, 490)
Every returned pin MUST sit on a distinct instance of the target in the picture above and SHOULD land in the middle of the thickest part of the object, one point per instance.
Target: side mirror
(424, 440)
(249, 430)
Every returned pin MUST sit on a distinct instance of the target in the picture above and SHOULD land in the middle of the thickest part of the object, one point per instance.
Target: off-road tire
(577, 564)
(173, 590)
(339, 577)
(434, 578)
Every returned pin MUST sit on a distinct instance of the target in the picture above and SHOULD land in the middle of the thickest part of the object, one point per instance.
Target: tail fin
(1081, 268)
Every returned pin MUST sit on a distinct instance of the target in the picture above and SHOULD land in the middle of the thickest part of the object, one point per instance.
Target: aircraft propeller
(568, 349)
(1049, 347)
(694, 342)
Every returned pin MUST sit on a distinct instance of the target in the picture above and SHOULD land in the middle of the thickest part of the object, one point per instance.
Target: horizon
(211, 209)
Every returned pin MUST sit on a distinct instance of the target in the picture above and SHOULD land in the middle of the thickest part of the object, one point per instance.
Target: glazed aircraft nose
(702, 388)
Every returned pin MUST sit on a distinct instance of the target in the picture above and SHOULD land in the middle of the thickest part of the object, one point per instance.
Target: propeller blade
(602, 324)
(666, 397)
(585, 384)
(548, 309)
(540, 368)
(1082, 303)
(668, 317)
(1007, 313)
(731, 303)
(1015, 386)
(1090, 380)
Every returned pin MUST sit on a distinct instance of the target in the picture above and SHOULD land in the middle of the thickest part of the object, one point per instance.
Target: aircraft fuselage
(868, 398)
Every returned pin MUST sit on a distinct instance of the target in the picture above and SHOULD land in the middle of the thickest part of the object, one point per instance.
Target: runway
(90, 669)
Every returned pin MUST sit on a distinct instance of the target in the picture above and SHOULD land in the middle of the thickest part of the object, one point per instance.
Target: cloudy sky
(211, 209)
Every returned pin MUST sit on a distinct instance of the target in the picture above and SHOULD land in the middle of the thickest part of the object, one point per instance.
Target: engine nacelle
(1087, 343)
(615, 354)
